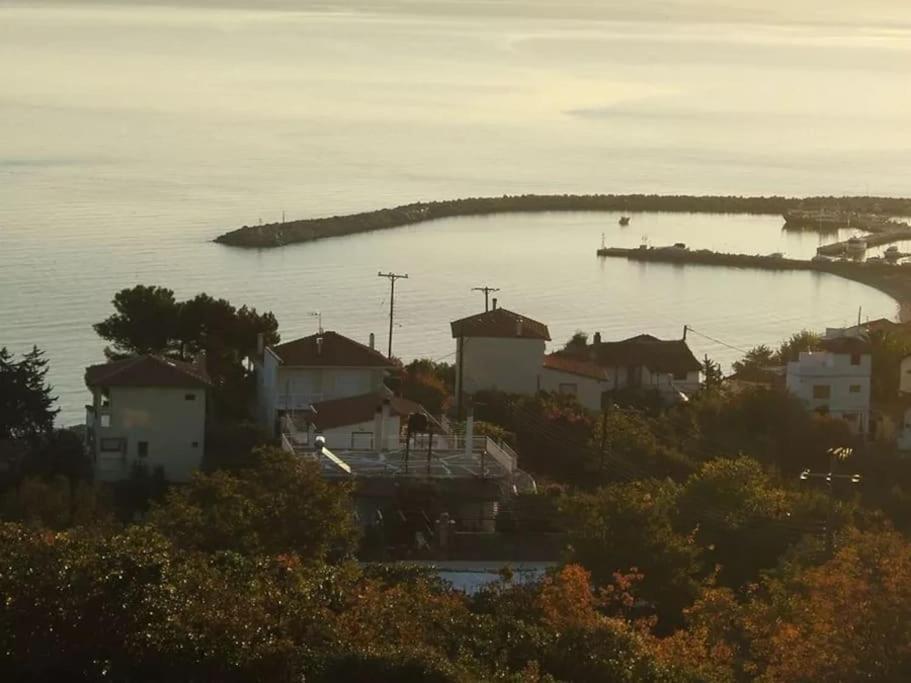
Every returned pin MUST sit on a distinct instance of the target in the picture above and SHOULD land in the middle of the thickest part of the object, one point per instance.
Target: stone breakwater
(309, 229)
(894, 280)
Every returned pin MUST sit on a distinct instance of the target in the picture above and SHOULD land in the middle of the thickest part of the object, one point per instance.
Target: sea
(133, 133)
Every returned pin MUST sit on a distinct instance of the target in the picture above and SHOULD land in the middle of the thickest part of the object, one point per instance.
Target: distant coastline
(311, 229)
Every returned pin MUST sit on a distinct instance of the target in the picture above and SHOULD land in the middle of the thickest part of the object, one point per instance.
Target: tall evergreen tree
(26, 403)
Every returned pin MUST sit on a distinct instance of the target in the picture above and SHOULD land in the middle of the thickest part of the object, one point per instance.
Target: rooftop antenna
(319, 319)
(487, 290)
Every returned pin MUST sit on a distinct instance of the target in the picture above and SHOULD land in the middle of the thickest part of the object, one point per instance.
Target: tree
(276, 504)
(625, 527)
(754, 365)
(26, 403)
(739, 517)
(578, 342)
(799, 341)
(712, 373)
(146, 321)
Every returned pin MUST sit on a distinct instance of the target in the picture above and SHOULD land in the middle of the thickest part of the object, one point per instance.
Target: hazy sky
(868, 12)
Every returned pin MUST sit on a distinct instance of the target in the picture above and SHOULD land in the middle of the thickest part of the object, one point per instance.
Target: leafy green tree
(146, 321)
(790, 349)
(712, 374)
(754, 365)
(56, 503)
(738, 515)
(277, 504)
(26, 403)
(625, 527)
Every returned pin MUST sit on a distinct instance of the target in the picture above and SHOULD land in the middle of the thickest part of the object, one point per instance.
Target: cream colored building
(499, 350)
(293, 376)
(147, 412)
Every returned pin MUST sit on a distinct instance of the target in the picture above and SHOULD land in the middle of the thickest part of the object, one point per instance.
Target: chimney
(372, 341)
(319, 346)
(495, 303)
(260, 344)
(596, 340)
(518, 327)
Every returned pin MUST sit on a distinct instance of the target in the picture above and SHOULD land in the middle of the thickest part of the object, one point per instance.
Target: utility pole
(839, 453)
(392, 278)
(487, 290)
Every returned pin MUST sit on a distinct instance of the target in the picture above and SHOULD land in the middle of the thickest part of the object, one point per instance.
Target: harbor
(891, 279)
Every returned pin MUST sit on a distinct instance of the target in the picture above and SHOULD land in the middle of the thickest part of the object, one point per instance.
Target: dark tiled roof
(500, 322)
(342, 412)
(146, 371)
(658, 355)
(574, 366)
(336, 351)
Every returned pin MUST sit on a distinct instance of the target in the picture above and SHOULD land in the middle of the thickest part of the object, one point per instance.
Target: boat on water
(856, 246)
(825, 220)
(624, 220)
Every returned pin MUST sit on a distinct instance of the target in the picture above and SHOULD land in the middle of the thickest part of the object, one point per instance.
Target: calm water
(131, 136)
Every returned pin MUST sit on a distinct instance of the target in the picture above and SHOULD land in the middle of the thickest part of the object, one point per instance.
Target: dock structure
(896, 233)
(891, 279)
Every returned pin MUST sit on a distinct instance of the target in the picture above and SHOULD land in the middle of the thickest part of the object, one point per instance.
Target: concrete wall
(162, 417)
(835, 371)
(362, 435)
(588, 389)
(512, 365)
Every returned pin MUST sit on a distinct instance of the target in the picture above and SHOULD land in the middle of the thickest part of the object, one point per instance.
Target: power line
(717, 341)
(487, 290)
(392, 277)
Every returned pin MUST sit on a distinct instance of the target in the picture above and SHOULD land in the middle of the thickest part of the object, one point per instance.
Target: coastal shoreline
(273, 235)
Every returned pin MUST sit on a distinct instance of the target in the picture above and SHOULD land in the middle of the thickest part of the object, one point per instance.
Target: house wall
(163, 418)
(505, 364)
(835, 371)
(668, 385)
(362, 435)
(904, 382)
(588, 389)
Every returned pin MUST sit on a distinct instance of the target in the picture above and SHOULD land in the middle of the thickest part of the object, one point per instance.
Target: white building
(643, 363)
(499, 350)
(835, 381)
(292, 376)
(146, 411)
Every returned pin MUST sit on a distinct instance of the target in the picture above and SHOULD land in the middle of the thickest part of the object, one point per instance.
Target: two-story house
(643, 363)
(499, 350)
(835, 380)
(294, 376)
(146, 411)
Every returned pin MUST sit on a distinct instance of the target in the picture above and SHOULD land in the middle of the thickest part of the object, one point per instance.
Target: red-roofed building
(642, 362)
(321, 367)
(499, 350)
(147, 411)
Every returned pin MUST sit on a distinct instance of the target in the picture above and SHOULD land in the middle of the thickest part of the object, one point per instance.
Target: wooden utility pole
(840, 453)
(487, 290)
(392, 278)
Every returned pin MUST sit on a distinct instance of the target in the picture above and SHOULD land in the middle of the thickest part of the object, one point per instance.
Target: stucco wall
(512, 365)
(836, 372)
(164, 419)
(588, 389)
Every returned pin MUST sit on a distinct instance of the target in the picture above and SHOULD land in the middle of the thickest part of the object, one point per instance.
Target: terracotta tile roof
(658, 355)
(574, 366)
(500, 322)
(146, 371)
(342, 412)
(336, 350)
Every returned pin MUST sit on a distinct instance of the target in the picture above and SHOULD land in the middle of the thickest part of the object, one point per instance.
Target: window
(855, 359)
(822, 391)
(142, 449)
(571, 389)
(105, 420)
(111, 445)
(189, 397)
(854, 389)
(195, 444)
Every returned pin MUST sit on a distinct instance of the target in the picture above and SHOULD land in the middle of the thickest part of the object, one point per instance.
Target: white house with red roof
(642, 363)
(294, 376)
(499, 350)
(147, 411)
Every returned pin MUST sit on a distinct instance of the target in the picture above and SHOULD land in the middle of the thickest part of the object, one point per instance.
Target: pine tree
(26, 403)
